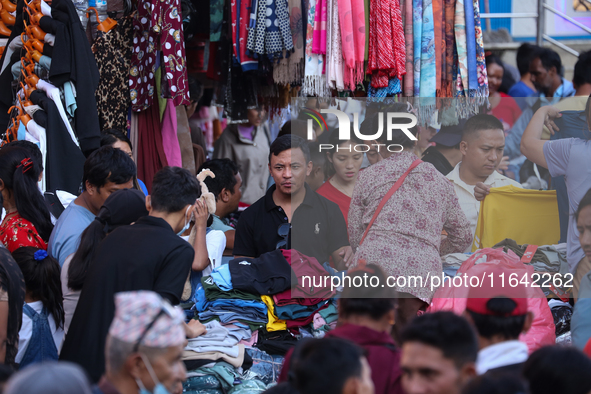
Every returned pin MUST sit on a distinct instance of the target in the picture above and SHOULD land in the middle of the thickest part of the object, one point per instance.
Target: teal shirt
(218, 224)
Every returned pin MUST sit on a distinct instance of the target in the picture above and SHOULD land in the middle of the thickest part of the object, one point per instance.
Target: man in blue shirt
(525, 87)
(545, 69)
(105, 171)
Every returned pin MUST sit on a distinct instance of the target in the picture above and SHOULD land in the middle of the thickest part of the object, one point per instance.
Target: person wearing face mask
(144, 347)
(148, 255)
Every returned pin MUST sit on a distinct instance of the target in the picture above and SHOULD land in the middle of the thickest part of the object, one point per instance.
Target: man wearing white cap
(144, 347)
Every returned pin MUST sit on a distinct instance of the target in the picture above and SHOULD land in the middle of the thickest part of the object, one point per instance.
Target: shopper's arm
(532, 145)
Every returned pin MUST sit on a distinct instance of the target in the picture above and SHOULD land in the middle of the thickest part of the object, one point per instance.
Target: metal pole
(540, 22)
(568, 18)
(561, 45)
(487, 10)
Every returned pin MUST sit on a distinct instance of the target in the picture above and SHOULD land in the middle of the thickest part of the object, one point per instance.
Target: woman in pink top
(342, 168)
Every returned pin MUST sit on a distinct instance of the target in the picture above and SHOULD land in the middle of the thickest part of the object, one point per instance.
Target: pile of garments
(254, 310)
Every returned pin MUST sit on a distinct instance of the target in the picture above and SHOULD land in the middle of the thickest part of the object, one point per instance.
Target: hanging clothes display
(158, 25)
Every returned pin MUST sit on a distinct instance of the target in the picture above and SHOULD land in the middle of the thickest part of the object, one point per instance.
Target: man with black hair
(318, 158)
(525, 87)
(438, 354)
(446, 154)
(499, 315)
(546, 74)
(481, 146)
(148, 255)
(105, 171)
(331, 366)
(317, 228)
(226, 189)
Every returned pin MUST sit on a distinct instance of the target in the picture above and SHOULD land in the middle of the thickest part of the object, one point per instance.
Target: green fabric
(212, 292)
(249, 387)
(161, 100)
(329, 314)
(218, 224)
(225, 373)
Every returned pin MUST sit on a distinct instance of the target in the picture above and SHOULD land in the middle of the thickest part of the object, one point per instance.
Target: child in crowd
(41, 333)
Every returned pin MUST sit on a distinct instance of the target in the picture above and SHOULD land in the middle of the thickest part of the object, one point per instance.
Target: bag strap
(388, 195)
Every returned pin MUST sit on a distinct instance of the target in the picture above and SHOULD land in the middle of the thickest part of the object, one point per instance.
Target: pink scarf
(319, 37)
(352, 17)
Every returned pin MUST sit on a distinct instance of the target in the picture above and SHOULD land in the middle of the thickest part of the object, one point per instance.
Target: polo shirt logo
(317, 228)
(209, 280)
(244, 263)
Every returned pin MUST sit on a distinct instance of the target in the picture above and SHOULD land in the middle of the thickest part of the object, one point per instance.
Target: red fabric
(333, 194)
(382, 356)
(303, 321)
(586, 350)
(507, 111)
(387, 56)
(16, 232)
(303, 265)
(239, 49)
(151, 157)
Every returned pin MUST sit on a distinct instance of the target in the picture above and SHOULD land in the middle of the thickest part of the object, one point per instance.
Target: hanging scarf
(470, 49)
(389, 91)
(480, 61)
(386, 43)
(290, 69)
(417, 27)
(314, 81)
(271, 33)
(334, 55)
(240, 21)
(450, 43)
(437, 22)
(408, 38)
(462, 49)
(427, 87)
(319, 37)
(216, 16)
(352, 18)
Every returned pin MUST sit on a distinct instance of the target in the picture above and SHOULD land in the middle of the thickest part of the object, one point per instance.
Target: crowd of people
(98, 281)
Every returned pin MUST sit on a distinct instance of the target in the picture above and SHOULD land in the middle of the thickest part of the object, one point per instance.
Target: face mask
(158, 387)
(187, 223)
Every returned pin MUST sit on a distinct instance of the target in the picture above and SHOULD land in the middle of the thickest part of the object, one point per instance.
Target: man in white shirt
(483, 141)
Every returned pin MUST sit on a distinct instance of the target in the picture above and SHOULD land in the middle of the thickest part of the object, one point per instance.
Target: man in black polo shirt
(318, 227)
(446, 153)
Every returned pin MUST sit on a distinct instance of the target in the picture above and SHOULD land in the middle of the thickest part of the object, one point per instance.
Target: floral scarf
(319, 37)
(480, 61)
(417, 30)
(427, 87)
(334, 54)
(290, 69)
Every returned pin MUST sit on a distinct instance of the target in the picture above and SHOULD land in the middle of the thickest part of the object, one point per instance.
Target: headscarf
(13, 283)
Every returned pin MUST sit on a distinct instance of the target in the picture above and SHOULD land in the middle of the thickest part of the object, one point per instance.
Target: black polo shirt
(317, 228)
(433, 156)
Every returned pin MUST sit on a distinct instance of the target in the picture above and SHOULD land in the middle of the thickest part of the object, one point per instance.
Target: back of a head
(372, 301)
(499, 320)
(582, 74)
(557, 369)
(286, 142)
(282, 388)
(398, 136)
(49, 378)
(33, 150)
(317, 156)
(501, 384)
(225, 171)
(108, 164)
(111, 136)
(121, 208)
(549, 59)
(42, 279)
(318, 359)
(173, 189)
(524, 57)
(478, 123)
(446, 331)
(20, 174)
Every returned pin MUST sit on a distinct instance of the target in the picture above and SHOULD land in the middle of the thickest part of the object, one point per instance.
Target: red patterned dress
(16, 232)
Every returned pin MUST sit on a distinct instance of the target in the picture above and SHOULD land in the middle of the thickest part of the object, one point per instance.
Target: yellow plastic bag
(526, 216)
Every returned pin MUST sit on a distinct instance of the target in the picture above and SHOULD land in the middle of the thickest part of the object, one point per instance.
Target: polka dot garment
(158, 29)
